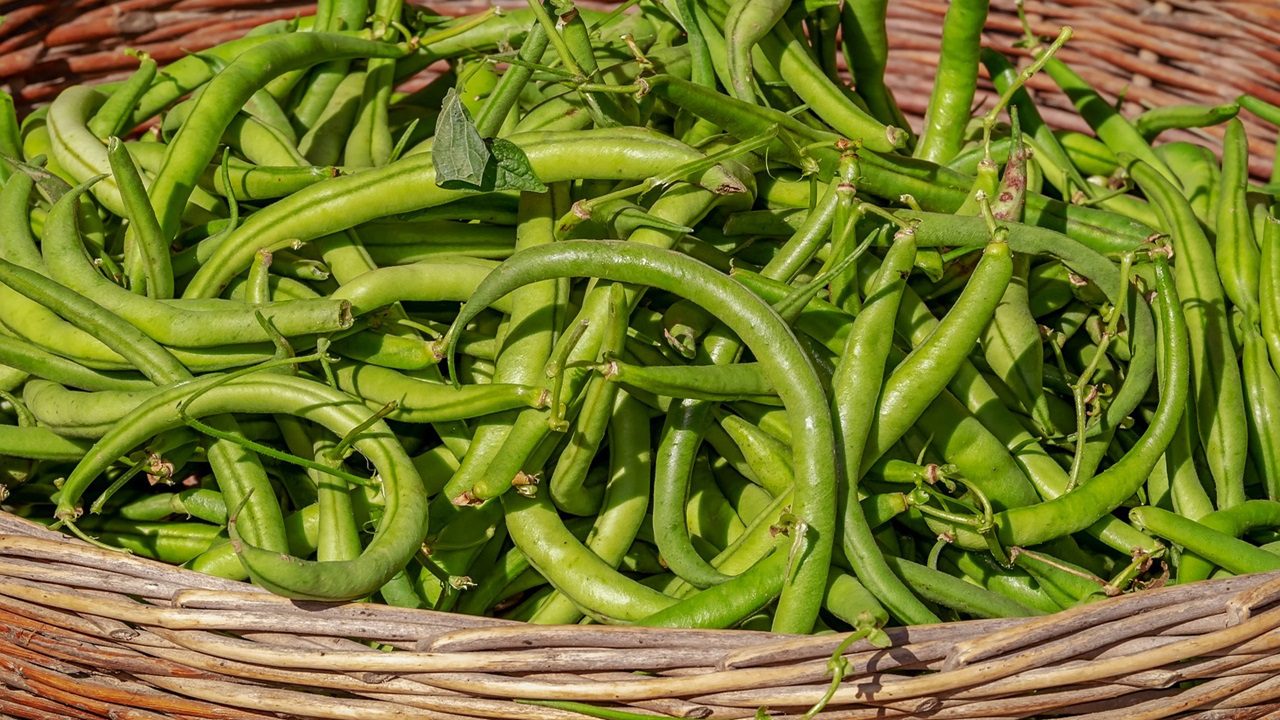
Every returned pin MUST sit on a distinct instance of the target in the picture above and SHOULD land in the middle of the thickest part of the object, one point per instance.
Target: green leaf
(466, 161)
(513, 171)
(459, 153)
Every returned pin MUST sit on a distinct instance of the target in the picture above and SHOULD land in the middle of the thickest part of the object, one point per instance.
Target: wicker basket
(86, 633)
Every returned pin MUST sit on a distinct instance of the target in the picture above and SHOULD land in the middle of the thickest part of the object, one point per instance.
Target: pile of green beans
(647, 317)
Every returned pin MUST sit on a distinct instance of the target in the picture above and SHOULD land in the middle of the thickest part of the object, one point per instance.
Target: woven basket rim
(1230, 626)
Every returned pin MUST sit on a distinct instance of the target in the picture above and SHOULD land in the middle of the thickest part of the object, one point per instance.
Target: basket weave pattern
(87, 633)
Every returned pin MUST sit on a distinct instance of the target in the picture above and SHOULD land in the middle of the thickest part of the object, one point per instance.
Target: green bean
(1236, 249)
(903, 397)
(1087, 153)
(505, 95)
(113, 117)
(1197, 169)
(78, 152)
(1249, 516)
(424, 401)
(728, 450)
(568, 480)
(866, 49)
(169, 542)
(987, 176)
(713, 523)
(1012, 345)
(591, 583)
(151, 508)
(324, 81)
(1217, 547)
(741, 381)
(745, 24)
(1262, 398)
(10, 135)
(1266, 111)
(1220, 417)
(879, 509)
(702, 72)
(25, 356)
(150, 268)
(1069, 585)
(769, 459)
(856, 388)
(955, 81)
(384, 286)
(78, 414)
(1156, 120)
(493, 247)
(248, 181)
(950, 592)
(526, 351)
(1188, 494)
(12, 379)
(1013, 583)
(40, 443)
(325, 138)
(37, 143)
(807, 80)
(909, 473)
(748, 499)
(626, 498)
(848, 600)
(729, 603)
(17, 243)
(1269, 288)
(677, 451)
(301, 528)
(206, 505)
(370, 141)
(470, 239)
